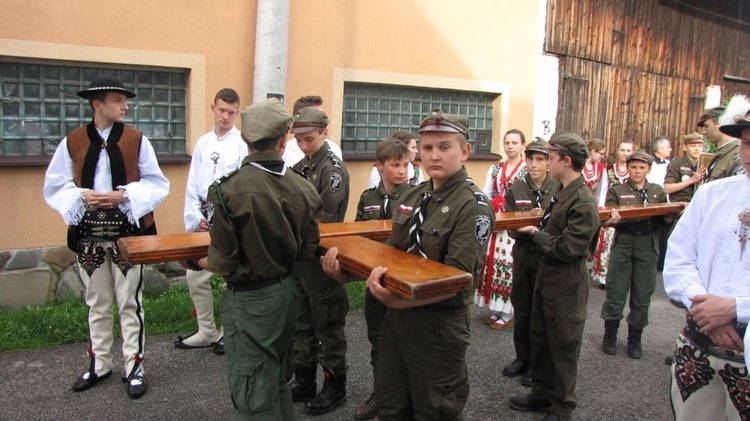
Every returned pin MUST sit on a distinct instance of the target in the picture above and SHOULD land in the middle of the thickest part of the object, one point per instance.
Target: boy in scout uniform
(422, 372)
(566, 236)
(683, 174)
(323, 303)
(264, 225)
(533, 192)
(632, 262)
(392, 161)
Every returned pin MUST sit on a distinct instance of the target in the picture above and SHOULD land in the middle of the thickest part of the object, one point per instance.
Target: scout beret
(309, 118)
(437, 121)
(694, 137)
(640, 156)
(568, 142)
(105, 84)
(714, 112)
(265, 120)
(538, 145)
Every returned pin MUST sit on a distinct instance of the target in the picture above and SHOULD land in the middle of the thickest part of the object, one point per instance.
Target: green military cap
(265, 120)
(714, 112)
(538, 145)
(438, 121)
(693, 137)
(735, 130)
(640, 156)
(570, 142)
(309, 118)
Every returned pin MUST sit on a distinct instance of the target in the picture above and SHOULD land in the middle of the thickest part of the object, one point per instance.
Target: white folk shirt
(213, 157)
(658, 172)
(705, 254)
(293, 154)
(143, 195)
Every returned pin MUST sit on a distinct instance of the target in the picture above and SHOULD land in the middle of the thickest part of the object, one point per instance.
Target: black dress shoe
(89, 380)
(526, 379)
(529, 403)
(137, 386)
(219, 346)
(516, 368)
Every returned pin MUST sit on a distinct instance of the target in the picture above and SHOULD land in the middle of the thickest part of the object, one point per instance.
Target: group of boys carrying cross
(262, 197)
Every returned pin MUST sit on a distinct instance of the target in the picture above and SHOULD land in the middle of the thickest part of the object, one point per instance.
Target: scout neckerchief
(116, 161)
(644, 194)
(418, 216)
(547, 212)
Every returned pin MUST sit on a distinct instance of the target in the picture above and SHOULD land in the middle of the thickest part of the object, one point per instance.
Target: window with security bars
(39, 105)
(373, 111)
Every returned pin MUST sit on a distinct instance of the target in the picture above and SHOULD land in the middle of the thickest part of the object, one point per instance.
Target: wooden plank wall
(639, 68)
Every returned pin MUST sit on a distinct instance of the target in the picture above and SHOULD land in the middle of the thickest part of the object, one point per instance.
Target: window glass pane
(40, 105)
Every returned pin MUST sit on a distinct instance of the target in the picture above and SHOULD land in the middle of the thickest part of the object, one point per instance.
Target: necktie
(538, 194)
(385, 213)
(644, 195)
(415, 239)
(547, 212)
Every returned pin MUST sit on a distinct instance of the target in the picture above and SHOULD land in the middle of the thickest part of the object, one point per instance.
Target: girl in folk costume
(617, 173)
(596, 179)
(495, 281)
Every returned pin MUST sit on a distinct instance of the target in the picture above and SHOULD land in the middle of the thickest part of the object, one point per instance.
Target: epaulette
(335, 159)
(226, 176)
(371, 188)
(297, 171)
(479, 195)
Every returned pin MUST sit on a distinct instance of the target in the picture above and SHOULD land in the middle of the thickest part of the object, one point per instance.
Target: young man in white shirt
(218, 152)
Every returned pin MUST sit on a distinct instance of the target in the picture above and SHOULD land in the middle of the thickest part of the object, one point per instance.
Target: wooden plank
(409, 276)
(174, 247)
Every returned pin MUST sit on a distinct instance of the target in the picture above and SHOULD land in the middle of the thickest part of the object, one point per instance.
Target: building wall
(489, 46)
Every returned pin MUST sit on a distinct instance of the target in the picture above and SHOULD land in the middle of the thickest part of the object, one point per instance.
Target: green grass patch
(170, 311)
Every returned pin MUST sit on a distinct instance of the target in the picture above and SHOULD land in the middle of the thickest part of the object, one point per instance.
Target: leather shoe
(554, 417)
(526, 379)
(516, 368)
(89, 380)
(180, 344)
(368, 410)
(219, 346)
(529, 403)
(137, 386)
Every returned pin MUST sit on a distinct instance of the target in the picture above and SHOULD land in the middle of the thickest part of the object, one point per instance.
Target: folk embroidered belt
(704, 343)
(105, 225)
(255, 285)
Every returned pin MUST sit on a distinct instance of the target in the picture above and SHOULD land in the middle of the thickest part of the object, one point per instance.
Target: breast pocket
(435, 239)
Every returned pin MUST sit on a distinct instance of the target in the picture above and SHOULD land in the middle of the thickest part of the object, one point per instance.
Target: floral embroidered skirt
(597, 263)
(496, 278)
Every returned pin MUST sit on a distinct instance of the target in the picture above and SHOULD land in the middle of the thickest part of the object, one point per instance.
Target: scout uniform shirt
(725, 163)
(377, 203)
(678, 171)
(455, 231)
(254, 237)
(331, 179)
(524, 196)
(628, 194)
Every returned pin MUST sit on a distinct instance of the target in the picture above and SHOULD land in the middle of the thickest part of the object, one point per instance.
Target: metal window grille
(373, 111)
(38, 105)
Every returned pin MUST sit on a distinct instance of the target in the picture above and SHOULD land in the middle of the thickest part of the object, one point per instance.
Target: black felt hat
(105, 84)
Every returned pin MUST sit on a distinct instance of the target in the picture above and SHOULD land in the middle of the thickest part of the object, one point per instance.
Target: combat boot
(609, 342)
(332, 394)
(304, 386)
(634, 342)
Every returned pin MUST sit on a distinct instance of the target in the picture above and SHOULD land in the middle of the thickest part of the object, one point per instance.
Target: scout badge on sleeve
(335, 182)
(482, 228)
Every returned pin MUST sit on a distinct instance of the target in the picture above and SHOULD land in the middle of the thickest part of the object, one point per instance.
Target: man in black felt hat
(726, 161)
(105, 181)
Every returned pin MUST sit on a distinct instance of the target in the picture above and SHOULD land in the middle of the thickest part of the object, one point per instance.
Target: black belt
(255, 285)
(704, 343)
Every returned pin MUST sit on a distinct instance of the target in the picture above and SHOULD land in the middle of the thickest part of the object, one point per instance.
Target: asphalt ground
(191, 385)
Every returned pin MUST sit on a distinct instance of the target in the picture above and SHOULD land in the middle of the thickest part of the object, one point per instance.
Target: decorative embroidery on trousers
(692, 370)
(738, 386)
(90, 256)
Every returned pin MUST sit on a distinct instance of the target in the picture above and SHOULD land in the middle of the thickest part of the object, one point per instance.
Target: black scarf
(116, 162)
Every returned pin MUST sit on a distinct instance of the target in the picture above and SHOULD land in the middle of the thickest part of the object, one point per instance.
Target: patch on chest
(405, 209)
(482, 228)
(523, 202)
(627, 196)
(372, 208)
(335, 182)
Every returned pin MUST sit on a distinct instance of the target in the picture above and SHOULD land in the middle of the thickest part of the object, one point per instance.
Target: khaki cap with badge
(267, 119)
(538, 145)
(693, 137)
(710, 113)
(569, 142)
(309, 118)
(438, 121)
(640, 156)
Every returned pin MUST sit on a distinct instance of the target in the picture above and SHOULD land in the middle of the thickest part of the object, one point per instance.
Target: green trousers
(422, 371)
(632, 268)
(322, 307)
(258, 329)
(524, 278)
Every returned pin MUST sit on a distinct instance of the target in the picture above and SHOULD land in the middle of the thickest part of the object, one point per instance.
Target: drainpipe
(271, 45)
